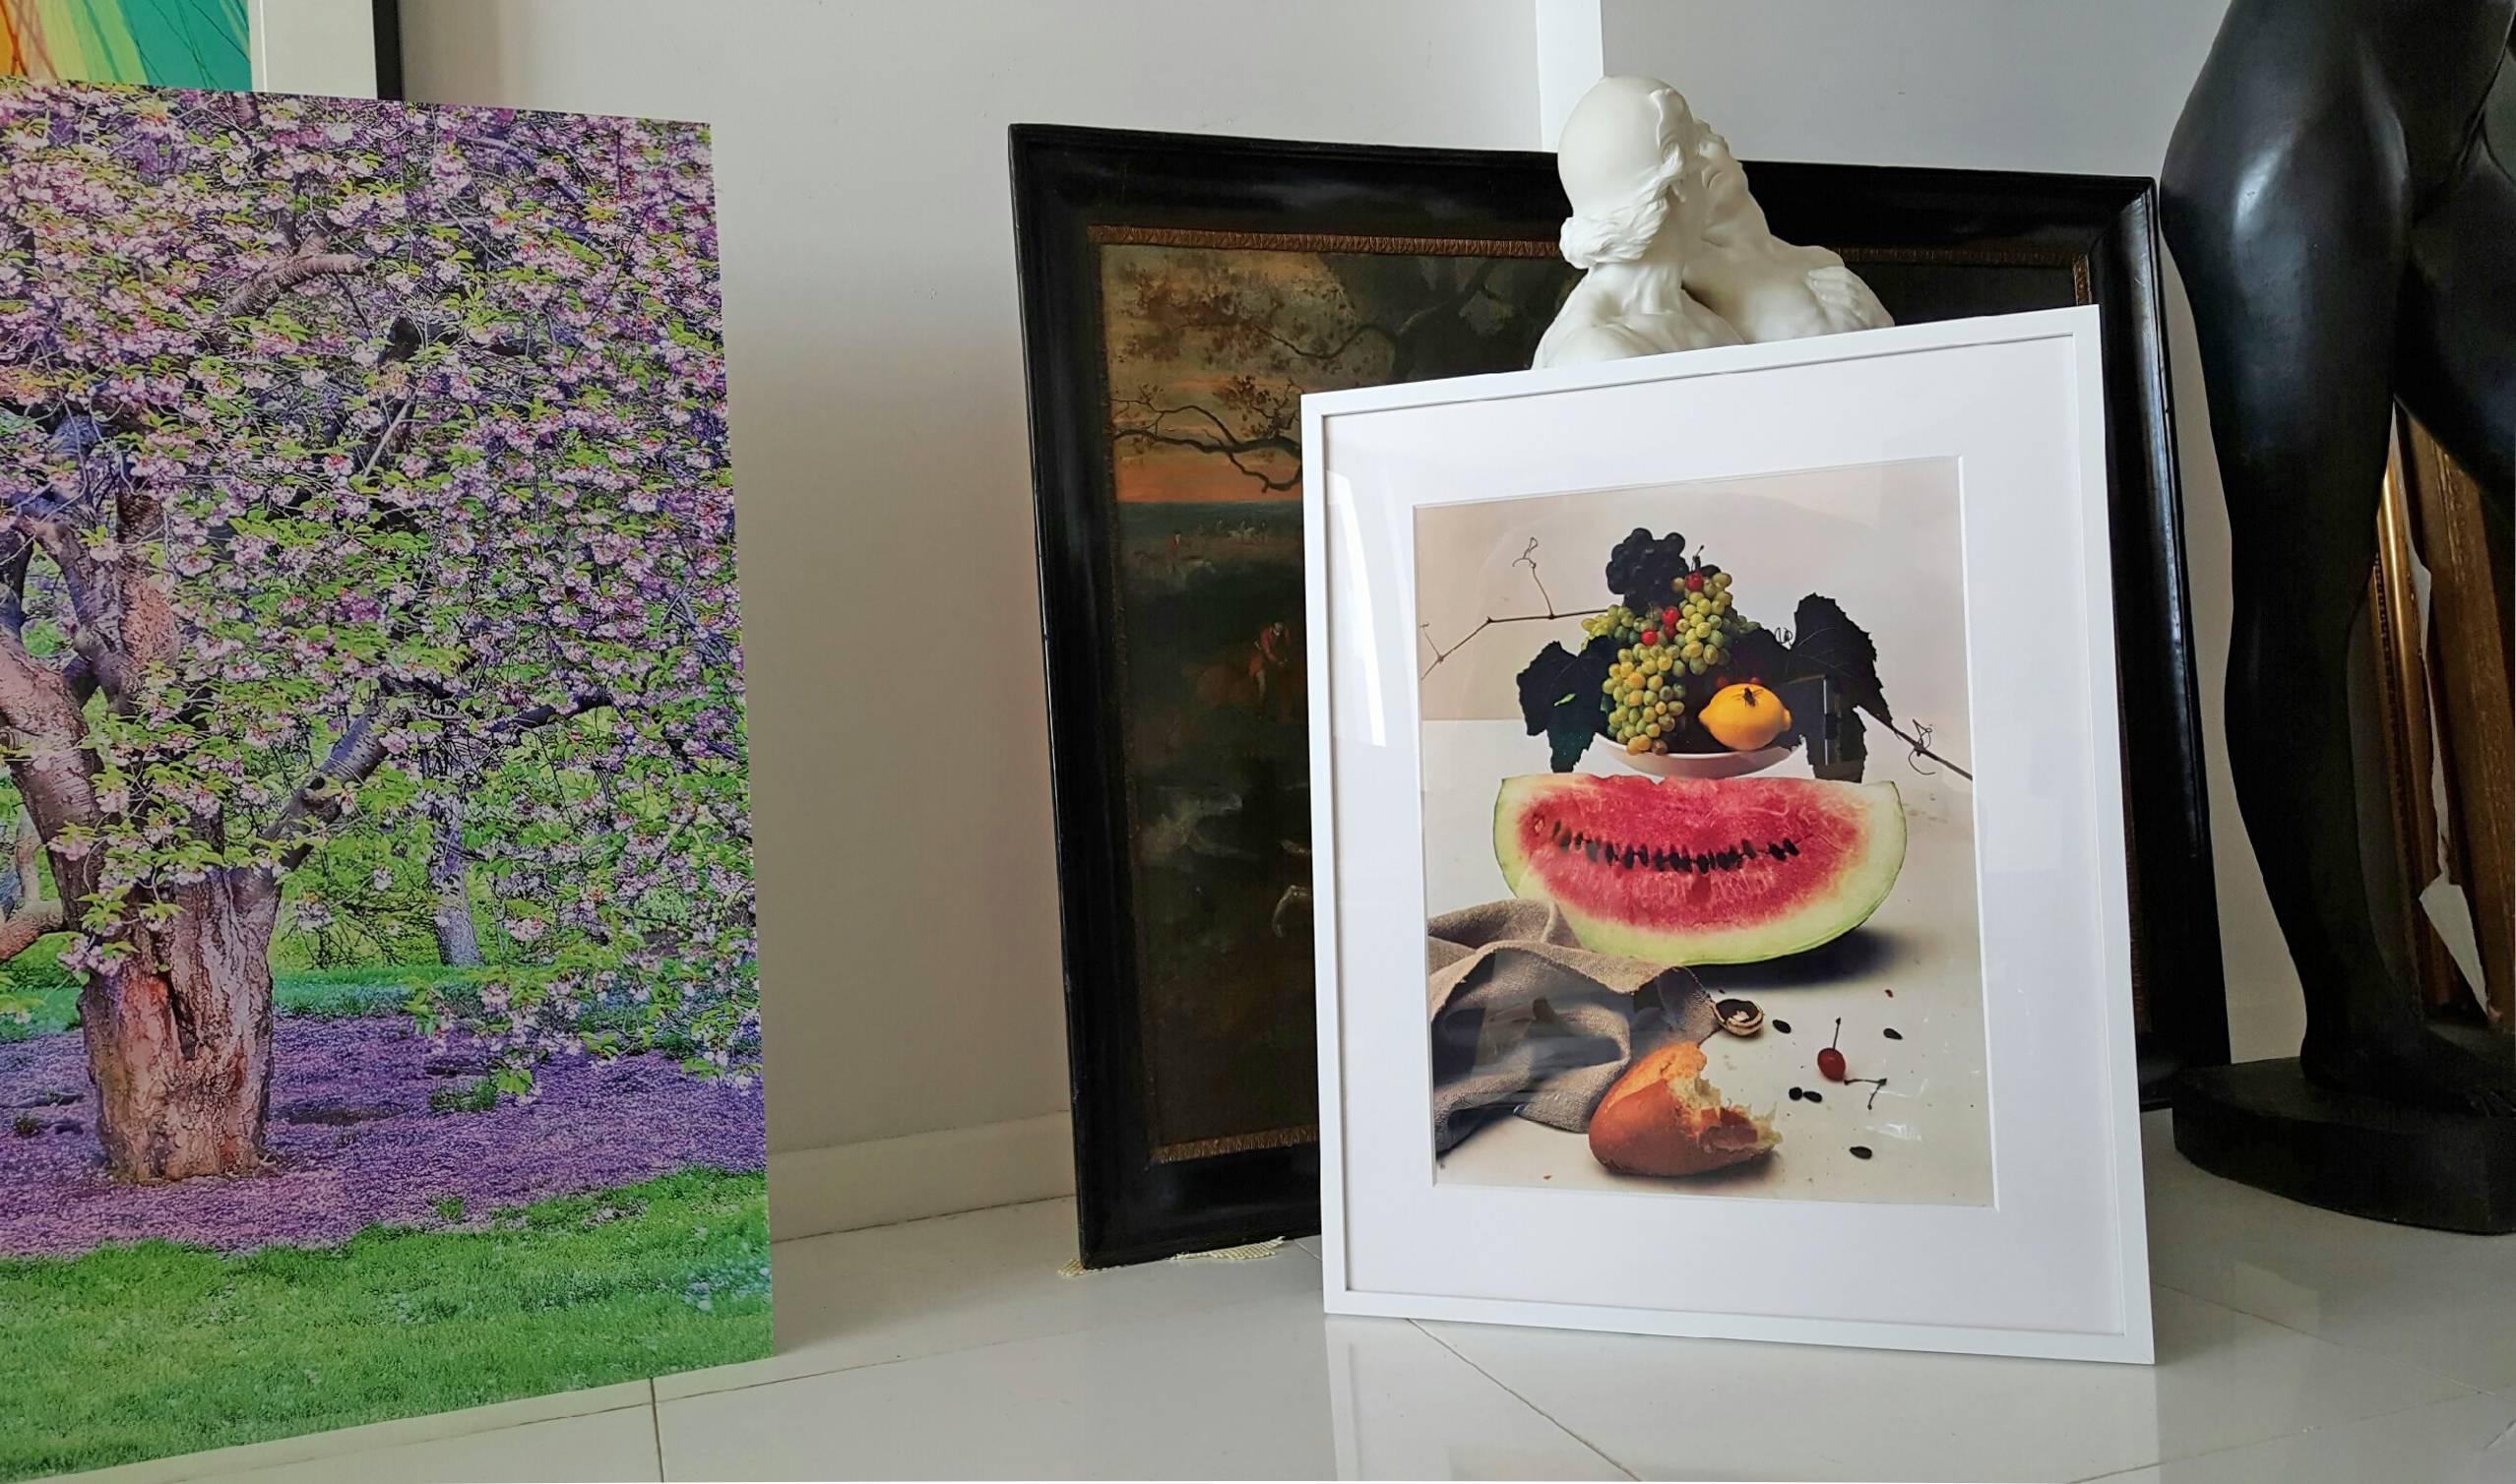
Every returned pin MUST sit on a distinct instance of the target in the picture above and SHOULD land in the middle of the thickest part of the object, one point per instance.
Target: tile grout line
(209, 1468)
(958, 1349)
(774, 1242)
(2385, 1357)
(655, 1420)
(1587, 1446)
(2289, 1436)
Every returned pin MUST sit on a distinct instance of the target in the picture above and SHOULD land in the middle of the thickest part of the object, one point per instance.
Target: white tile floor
(2293, 1346)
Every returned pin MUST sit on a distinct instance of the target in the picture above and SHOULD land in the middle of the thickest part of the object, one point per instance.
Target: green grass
(143, 1350)
(47, 995)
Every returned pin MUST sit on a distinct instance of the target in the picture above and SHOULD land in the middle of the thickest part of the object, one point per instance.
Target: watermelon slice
(1701, 871)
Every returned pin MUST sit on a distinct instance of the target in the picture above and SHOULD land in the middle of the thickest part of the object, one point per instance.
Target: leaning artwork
(379, 1023)
(1722, 725)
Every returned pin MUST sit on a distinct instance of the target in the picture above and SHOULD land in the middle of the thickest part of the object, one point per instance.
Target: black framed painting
(1180, 296)
(388, 29)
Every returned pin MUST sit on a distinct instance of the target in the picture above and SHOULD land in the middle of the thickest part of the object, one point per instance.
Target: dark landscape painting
(1211, 342)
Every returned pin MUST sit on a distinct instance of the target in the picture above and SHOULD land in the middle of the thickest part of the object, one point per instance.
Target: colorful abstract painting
(379, 1022)
(173, 43)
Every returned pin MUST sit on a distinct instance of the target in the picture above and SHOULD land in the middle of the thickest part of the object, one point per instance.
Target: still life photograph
(1718, 845)
(1719, 867)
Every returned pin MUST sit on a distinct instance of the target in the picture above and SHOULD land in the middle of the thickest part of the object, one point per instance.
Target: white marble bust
(1676, 252)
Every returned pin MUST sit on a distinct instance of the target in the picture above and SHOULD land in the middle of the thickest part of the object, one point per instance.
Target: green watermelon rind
(1863, 888)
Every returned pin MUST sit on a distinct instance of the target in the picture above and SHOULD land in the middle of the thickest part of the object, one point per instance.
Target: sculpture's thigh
(2290, 253)
(2459, 323)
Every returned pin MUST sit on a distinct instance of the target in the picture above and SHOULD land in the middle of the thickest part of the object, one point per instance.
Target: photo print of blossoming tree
(379, 1023)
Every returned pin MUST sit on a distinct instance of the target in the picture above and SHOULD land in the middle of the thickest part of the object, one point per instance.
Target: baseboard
(846, 1185)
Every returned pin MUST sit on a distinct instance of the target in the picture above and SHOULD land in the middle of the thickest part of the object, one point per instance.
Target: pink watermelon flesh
(1689, 871)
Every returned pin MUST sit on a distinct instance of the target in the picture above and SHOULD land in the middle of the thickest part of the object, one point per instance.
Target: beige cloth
(1526, 1021)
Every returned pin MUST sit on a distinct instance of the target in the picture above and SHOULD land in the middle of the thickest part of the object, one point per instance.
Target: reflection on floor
(2294, 1345)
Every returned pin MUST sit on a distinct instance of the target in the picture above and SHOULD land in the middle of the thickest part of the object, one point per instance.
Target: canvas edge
(2134, 1342)
(2129, 1346)
(2114, 895)
(1326, 918)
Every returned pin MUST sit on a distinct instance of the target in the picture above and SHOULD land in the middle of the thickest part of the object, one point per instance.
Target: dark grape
(1643, 566)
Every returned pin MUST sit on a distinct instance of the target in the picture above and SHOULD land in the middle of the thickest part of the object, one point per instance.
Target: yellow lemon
(1745, 718)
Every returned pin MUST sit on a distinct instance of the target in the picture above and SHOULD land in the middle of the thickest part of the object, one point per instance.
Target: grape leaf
(1826, 642)
(1559, 695)
(1759, 656)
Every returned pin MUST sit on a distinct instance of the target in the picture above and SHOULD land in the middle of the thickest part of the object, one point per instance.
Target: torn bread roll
(1662, 1118)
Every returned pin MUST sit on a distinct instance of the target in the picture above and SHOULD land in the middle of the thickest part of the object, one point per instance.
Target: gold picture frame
(2444, 704)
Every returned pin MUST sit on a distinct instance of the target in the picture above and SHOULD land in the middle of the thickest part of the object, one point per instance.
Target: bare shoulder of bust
(1807, 259)
(1587, 342)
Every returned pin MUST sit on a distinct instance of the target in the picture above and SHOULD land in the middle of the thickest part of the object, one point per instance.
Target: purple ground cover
(352, 1141)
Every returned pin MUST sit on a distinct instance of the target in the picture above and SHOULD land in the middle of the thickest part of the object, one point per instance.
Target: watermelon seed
(1893, 1034)
(1813, 1095)
(1797, 1094)
(1861, 1152)
(1782, 1026)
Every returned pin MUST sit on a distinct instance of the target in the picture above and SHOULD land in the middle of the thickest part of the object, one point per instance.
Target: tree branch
(12, 583)
(113, 637)
(50, 763)
(316, 803)
(19, 930)
(548, 711)
(384, 440)
(1225, 441)
(1331, 354)
(34, 700)
(264, 288)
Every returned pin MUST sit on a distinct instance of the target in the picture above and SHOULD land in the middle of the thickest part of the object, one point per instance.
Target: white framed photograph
(1719, 853)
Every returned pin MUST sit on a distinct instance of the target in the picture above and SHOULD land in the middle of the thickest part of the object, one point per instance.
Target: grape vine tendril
(1526, 558)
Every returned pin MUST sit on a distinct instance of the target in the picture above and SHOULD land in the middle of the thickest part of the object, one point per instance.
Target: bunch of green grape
(1644, 694)
(1705, 623)
(1658, 653)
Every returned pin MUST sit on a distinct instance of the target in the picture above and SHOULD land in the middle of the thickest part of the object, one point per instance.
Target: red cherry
(1651, 636)
(1668, 616)
(1830, 1061)
(1694, 581)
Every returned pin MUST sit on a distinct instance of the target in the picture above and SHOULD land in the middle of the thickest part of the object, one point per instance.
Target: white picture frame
(2056, 1263)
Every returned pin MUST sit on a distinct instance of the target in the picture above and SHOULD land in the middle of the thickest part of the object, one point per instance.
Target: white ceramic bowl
(1693, 765)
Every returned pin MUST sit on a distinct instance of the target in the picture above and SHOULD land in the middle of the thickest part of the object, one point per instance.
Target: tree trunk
(179, 1036)
(458, 944)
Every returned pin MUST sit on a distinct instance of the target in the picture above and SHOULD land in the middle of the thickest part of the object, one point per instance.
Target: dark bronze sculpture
(2338, 201)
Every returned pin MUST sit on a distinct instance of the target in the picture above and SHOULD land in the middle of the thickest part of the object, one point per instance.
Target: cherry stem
(1839, 1030)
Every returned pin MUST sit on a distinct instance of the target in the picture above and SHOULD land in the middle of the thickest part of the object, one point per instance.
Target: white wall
(900, 773)
(907, 877)
(2027, 84)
